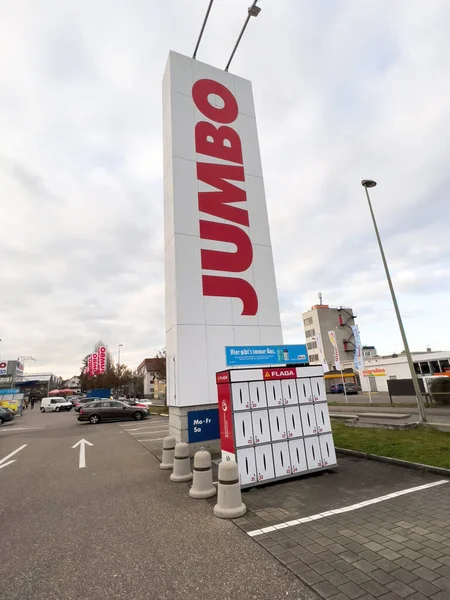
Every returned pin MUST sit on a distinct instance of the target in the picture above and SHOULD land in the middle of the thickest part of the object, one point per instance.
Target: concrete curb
(395, 461)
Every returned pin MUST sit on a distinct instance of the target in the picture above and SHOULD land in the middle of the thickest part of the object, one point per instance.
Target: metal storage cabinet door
(243, 430)
(261, 429)
(289, 391)
(304, 391)
(293, 421)
(240, 395)
(318, 389)
(277, 424)
(274, 394)
(313, 453)
(328, 451)
(281, 459)
(309, 423)
(247, 465)
(298, 456)
(323, 417)
(264, 462)
(258, 397)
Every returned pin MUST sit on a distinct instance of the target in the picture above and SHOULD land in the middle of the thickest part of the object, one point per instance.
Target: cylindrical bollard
(181, 463)
(202, 486)
(168, 451)
(229, 502)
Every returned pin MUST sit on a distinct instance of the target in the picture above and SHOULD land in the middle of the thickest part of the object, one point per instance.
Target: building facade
(321, 319)
(154, 386)
(379, 369)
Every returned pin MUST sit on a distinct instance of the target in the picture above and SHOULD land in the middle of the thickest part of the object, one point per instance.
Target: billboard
(3, 367)
(219, 272)
(266, 355)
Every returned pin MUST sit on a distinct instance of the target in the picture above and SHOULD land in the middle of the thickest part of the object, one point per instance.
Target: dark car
(338, 388)
(106, 410)
(6, 414)
(83, 401)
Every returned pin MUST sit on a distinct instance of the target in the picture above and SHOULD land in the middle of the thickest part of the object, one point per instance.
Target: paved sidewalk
(398, 548)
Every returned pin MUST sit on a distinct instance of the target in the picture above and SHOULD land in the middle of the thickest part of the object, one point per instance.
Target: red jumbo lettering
(234, 262)
(223, 143)
(217, 203)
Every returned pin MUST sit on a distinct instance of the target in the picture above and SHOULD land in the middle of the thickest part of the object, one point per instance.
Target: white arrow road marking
(3, 462)
(82, 461)
(6, 464)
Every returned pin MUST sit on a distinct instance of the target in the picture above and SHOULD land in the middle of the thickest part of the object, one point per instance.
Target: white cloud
(343, 91)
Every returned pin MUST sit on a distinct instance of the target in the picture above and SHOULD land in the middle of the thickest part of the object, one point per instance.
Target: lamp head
(368, 183)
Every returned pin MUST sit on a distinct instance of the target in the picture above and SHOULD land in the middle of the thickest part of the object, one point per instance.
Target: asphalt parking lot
(364, 531)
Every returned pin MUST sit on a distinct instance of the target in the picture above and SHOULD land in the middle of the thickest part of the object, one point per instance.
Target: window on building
(311, 345)
(313, 357)
(310, 333)
(444, 365)
(308, 321)
(425, 367)
(435, 368)
(417, 368)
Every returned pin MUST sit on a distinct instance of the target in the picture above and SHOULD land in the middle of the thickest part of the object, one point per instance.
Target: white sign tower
(219, 272)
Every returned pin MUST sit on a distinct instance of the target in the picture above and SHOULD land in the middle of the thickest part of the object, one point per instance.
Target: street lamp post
(368, 183)
(118, 368)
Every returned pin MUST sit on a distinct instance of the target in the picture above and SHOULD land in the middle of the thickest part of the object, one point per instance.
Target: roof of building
(151, 364)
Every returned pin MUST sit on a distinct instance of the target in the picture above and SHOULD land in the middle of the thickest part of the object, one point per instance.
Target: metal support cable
(203, 28)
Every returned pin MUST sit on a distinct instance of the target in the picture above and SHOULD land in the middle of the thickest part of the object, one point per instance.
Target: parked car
(83, 401)
(6, 414)
(106, 410)
(55, 404)
(135, 402)
(338, 388)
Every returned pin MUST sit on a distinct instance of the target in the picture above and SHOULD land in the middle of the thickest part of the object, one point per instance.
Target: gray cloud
(342, 92)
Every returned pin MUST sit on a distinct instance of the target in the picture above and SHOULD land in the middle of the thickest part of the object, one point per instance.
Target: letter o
(200, 94)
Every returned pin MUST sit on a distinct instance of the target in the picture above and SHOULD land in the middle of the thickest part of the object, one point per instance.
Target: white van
(55, 404)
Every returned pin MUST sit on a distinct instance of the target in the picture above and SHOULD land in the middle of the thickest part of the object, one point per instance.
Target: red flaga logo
(223, 143)
(279, 373)
(222, 377)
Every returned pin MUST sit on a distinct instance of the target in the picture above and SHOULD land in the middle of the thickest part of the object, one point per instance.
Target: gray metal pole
(253, 11)
(423, 416)
(202, 29)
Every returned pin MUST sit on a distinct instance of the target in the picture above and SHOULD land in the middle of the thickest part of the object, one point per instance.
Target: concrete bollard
(168, 451)
(229, 501)
(202, 486)
(181, 463)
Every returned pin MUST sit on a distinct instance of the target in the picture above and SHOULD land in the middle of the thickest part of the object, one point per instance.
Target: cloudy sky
(343, 91)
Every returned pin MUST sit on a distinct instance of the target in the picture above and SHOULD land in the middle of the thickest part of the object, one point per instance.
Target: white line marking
(338, 511)
(12, 453)
(82, 460)
(151, 440)
(8, 430)
(6, 464)
(149, 432)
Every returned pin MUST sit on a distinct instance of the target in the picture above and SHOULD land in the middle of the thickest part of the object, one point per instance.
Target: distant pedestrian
(25, 402)
(32, 400)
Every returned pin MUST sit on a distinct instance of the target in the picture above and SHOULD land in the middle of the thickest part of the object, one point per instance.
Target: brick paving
(397, 549)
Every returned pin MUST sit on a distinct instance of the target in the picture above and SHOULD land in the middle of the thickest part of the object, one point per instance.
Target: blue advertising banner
(203, 425)
(250, 356)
